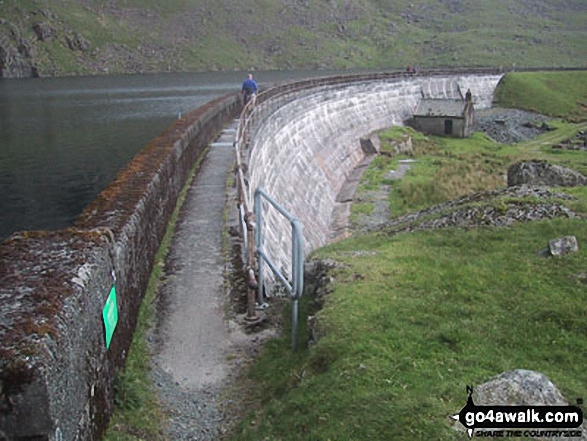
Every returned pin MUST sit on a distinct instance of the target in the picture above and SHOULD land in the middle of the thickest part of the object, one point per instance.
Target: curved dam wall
(303, 150)
(56, 372)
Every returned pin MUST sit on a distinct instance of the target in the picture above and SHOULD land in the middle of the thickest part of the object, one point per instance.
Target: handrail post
(259, 244)
(298, 276)
(294, 326)
(253, 284)
(296, 285)
(297, 232)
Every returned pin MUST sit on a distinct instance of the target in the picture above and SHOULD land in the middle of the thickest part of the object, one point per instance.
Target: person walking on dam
(249, 90)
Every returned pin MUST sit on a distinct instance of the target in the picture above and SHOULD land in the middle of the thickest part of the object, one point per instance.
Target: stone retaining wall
(56, 375)
(304, 149)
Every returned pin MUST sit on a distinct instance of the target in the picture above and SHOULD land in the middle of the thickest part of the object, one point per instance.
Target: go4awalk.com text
(520, 421)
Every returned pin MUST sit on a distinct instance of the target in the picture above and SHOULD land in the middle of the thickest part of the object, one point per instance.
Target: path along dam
(70, 298)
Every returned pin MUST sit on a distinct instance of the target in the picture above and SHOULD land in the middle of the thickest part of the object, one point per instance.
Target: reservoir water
(62, 140)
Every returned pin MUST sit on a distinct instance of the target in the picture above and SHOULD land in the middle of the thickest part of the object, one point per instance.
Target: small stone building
(445, 117)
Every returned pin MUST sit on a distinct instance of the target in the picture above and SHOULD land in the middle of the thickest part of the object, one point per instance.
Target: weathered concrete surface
(55, 370)
(304, 150)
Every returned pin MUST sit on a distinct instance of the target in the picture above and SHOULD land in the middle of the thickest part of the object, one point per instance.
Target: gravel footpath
(199, 343)
(380, 200)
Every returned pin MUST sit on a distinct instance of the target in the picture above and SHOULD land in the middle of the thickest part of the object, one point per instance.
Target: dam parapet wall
(57, 363)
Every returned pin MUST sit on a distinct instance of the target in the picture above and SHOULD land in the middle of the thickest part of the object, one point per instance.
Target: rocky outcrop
(77, 42)
(578, 142)
(44, 31)
(495, 208)
(543, 173)
(16, 57)
(20, 43)
(399, 146)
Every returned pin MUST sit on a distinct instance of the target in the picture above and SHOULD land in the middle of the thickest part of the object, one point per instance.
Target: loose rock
(508, 126)
(543, 173)
(488, 208)
(563, 246)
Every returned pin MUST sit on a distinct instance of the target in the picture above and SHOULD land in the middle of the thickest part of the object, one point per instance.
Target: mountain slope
(60, 37)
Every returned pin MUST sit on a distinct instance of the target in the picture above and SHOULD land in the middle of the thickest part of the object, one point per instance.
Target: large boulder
(522, 387)
(517, 388)
(564, 245)
(543, 173)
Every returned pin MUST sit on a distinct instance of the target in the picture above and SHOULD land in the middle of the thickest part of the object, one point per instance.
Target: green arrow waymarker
(110, 315)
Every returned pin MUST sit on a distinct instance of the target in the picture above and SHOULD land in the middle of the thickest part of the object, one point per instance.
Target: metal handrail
(296, 287)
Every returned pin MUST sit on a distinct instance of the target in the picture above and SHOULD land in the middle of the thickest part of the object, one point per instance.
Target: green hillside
(562, 94)
(60, 37)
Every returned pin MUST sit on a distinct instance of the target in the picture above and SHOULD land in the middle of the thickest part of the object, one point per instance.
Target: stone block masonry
(307, 145)
(56, 374)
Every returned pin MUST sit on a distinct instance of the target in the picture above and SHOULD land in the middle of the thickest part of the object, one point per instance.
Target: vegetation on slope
(107, 36)
(414, 318)
(560, 94)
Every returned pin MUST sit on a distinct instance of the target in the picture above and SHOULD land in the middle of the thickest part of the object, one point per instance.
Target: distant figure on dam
(249, 90)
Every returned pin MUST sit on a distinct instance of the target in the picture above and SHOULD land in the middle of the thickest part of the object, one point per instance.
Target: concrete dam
(70, 298)
(307, 144)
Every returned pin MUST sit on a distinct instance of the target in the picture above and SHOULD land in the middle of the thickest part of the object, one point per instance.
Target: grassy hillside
(562, 94)
(415, 317)
(101, 36)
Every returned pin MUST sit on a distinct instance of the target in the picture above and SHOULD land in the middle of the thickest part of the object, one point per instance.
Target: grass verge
(447, 168)
(138, 414)
(417, 317)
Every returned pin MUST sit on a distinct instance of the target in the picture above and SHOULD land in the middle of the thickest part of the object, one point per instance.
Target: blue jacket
(249, 86)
